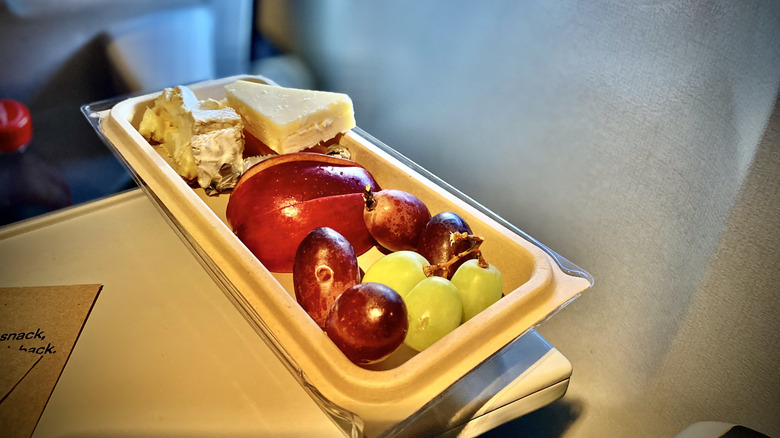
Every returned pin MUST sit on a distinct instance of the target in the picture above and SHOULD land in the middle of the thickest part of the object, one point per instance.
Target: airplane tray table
(165, 353)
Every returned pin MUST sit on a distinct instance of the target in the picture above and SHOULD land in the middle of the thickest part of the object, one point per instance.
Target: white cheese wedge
(290, 119)
(205, 139)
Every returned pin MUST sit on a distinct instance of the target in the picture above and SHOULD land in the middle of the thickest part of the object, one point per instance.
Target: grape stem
(476, 242)
(368, 197)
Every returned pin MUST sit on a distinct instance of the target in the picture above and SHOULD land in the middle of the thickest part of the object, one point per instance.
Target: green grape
(400, 270)
(479, 287)
(434, 309)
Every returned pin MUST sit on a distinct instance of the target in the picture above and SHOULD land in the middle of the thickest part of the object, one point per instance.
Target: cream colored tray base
(379, 398)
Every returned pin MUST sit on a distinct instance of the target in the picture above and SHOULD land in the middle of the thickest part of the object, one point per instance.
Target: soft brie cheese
(205, 139)
(290, 119)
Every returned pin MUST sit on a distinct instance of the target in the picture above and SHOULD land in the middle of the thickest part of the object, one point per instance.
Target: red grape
(324, 266)
(368, 322)
(395, 218)
(435, 242)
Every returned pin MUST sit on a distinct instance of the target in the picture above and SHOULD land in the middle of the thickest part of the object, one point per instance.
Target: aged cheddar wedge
(289, 119)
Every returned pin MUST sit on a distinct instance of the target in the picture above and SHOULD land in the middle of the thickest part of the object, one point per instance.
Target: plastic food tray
(385, 398)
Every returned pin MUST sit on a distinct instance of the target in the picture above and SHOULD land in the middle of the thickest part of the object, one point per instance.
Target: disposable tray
(363, 401)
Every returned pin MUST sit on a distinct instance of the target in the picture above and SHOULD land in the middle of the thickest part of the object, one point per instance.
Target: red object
(368, 322)
(325, 265)
(274, 236)
(290, 179)
(278, 201)
(395, 218)
(15, 125)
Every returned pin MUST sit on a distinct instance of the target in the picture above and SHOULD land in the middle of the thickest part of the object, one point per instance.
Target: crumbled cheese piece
(204, 139)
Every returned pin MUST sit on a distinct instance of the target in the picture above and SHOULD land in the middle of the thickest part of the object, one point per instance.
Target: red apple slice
(274, 236)
(289, 179)
(253, 146)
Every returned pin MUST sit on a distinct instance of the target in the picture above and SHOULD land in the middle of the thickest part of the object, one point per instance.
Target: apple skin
(325, 266)
(289, 179)
(273, 237)
(278, 201)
